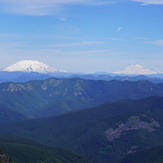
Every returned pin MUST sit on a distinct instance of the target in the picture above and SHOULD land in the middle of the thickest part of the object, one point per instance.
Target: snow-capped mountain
(136, 70)
(31, 66)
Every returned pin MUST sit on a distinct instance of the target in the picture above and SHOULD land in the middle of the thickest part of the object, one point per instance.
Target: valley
(87, 131)
(101, 120)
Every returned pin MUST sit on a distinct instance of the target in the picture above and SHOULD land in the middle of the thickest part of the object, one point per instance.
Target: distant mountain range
(109, 77)
(40, 67)
(31, 66)
(27, 70)
(136, 70)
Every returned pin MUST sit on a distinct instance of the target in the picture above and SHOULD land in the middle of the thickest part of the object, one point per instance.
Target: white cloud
(44, 7)
(91, 52)
(8, 35)
(141, 38)
(11, 45)
(51, 7)
(77, 44)
(62, 19)
(27, 45)
(149, 2)
(157, 42)
(119, 29)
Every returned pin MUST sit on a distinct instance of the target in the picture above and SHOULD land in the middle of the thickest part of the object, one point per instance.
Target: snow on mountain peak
(31, 66)
(136, 70)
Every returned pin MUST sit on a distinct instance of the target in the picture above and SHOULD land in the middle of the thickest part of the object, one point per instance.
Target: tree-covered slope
(55, 96)
(152, 155)
(8, 115)
(24, 151)
(106, 133)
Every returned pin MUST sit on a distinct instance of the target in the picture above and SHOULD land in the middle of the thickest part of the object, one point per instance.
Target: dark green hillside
(102, 140)
(83, 116)
(153, 155)
(24, 151)
(7, 115)
(55, 96)
(105, 133)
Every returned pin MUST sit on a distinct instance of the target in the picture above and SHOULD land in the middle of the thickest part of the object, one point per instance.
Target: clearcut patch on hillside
(133, 123)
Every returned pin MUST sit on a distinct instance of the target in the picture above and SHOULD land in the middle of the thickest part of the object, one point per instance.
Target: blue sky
(82, 35)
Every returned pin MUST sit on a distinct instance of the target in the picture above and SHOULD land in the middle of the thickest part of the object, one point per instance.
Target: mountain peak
(136, 70)
(31, 66)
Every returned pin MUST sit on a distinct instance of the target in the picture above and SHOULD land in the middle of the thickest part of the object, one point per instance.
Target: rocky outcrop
(4, 159)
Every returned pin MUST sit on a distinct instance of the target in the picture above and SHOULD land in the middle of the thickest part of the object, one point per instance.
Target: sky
(82, 35)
